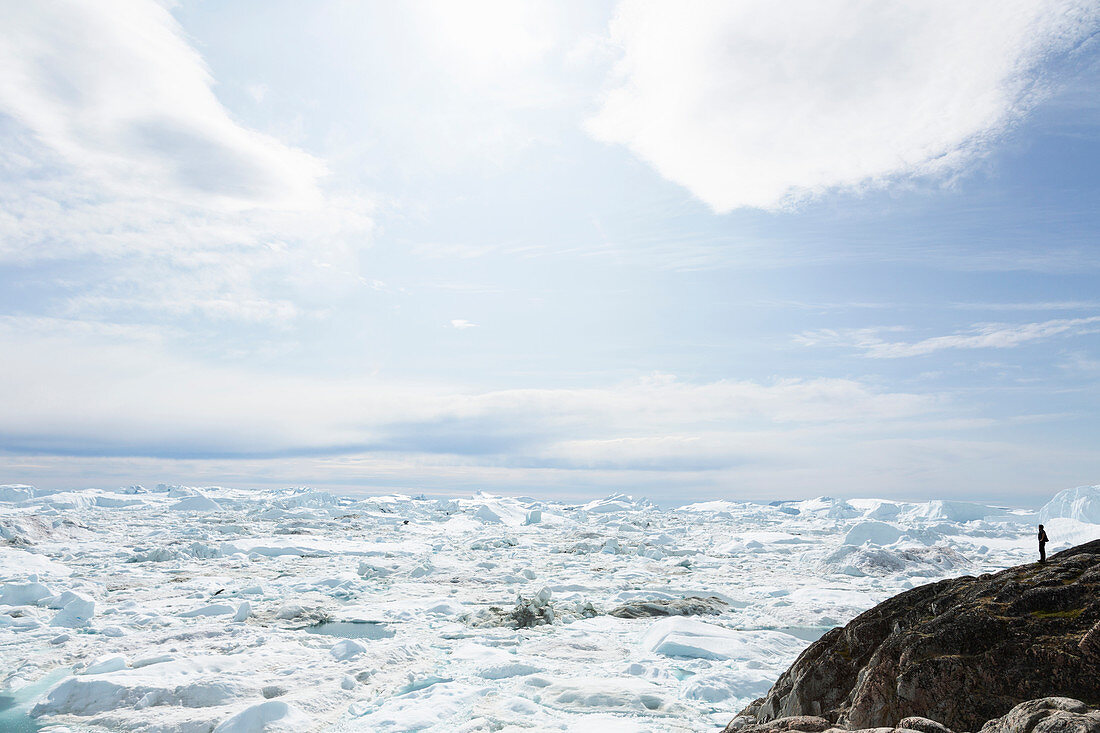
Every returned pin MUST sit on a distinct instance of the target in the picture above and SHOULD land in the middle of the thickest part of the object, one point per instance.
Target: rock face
(961, 652)
(1043, 715)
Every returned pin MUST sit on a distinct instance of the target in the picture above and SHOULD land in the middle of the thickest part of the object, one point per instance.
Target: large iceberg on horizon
(1081, 503)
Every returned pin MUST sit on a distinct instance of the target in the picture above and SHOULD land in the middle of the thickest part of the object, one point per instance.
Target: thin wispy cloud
(981, 336)
(1049, 305)
(757, 104)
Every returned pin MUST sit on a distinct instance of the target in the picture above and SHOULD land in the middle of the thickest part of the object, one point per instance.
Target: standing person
(1042, 544)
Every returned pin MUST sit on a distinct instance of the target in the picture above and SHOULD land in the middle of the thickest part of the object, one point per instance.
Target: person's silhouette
(1042, 544)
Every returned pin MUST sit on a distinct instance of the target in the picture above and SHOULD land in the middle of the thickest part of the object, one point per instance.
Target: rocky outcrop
(792, 724)
(1043, 715)
(1090, 642)
(959, 652)
(1047, 715)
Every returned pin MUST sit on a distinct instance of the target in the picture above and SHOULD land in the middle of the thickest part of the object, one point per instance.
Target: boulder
(1047, 715)
(793, 723)
(923, 725)
(961, 652)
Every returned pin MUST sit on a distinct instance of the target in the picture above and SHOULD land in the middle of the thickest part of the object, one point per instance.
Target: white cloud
(490, 38)
(760, 104)
(114, 88)
(117, 154)
(107, 405)
(462, 324)
(981, 336)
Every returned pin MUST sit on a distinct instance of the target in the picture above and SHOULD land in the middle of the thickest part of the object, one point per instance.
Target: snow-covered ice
(211, 609)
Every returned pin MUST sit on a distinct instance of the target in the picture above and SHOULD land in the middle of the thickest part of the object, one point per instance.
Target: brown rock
(961, 651)
(924, 725)
(793, 724)
(1090, 642)
(1047, 715)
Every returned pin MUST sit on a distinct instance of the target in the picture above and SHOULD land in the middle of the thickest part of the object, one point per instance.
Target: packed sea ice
(182, 609)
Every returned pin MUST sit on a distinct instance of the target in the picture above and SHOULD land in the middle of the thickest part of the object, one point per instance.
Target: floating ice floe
(211, 609)
(106, 663)
(915, 561)
(272, 716)
(616, 503)
(347, 649)
(77, 612)
(155, 554)
(872, 532)
(423, 707)
(732, 684)
(623, 696)
(194, 683)
(684, 637)
(196, 503)
(22, 594)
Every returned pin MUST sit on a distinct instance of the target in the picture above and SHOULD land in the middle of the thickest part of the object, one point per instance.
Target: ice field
(181, 609)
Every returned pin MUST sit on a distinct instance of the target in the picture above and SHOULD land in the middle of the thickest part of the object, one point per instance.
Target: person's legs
(1042, 552)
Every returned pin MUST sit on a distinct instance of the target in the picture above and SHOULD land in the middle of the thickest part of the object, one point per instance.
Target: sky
(707, 249)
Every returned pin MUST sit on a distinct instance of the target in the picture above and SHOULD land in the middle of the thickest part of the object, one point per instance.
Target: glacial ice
(872, 532)
(199, 609)
(197, 503)
(1081, 504)
(16, 493)
(271, 716)
(22, 594)
(678, 636)
(77, 612)
(953, 511)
